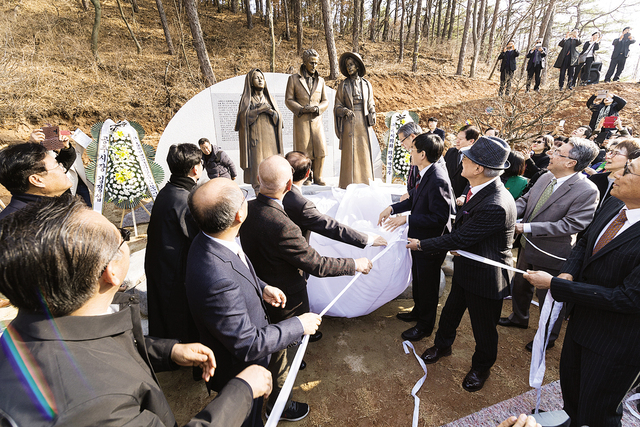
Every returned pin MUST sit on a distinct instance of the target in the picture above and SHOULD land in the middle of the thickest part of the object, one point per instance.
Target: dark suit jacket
(306, 216)
(621, 48)
(543, 58)
(430, 205)
(169, 236)
(279, 251)
(569, 47)
(438, 132)
(454, 168)
(601, 180)
(19, 201)
(226, 301)
(606, 290)
(100, 371)
(508, 60)
(568, 211)
(484, 226)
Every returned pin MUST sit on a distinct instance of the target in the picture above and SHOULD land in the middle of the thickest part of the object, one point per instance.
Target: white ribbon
(550, 312)
(278, 407)
(487, 261)
(416, 387)
(544, 252)
(391, 147)
(631, 409)
(102, 159)
(142, 159)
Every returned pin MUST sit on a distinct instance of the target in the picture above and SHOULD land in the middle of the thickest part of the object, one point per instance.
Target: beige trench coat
(308, 132)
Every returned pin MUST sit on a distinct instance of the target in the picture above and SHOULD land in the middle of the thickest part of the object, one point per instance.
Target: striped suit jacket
(606, 290)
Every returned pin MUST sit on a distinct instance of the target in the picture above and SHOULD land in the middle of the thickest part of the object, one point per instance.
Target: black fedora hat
(490, 152)
(343, 63)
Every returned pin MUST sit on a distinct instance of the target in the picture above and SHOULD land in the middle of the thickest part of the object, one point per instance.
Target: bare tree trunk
(298, 13)
(427, 20)
(438, 13)
(465, 37)
(133, 36)
(411, 3)
(416, 46)
(331, 42)
(492, 33)
(259, 11)
(578, 14)
(401, 49)
(96, 28)
(453, 15)
(165, 27)
(546, 20)
(374, 15)
(532, 25)
(272, 61)
(134, 5)
(356, 26)
(247, 8)
(447, 21)
(361, 18)
(387, 17)
(233, 5)
(507, 22)
(287, 31)
(483, 36)
(478, 29)
(84, 4)
(198, 42)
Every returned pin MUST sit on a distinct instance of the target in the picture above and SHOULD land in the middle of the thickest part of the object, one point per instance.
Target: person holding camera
(537, 61)
(568, 58)
(619, 55)
(586, 59)
(507, 67)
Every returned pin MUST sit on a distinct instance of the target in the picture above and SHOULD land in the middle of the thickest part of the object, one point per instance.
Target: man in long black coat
(484, 226)
(568, 58)
(507, 67)
(169, 236)
(619, 55)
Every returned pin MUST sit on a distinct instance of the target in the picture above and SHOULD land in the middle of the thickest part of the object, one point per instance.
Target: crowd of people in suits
(571, 206)
(574, 66)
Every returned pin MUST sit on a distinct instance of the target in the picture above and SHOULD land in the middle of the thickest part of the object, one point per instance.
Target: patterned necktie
(541, 201)
(543, 198)
(468, 196)
(611, 231)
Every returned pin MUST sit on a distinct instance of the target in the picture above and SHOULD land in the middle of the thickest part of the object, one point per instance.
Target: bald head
(274, 173)
(214, 205)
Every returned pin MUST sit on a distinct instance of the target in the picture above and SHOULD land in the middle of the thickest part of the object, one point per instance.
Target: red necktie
(611, 231)
(468, 196)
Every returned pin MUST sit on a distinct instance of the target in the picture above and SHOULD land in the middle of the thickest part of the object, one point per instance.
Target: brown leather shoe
(475, 379)
(433, 354)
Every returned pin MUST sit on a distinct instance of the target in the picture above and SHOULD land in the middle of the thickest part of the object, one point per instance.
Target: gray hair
(492, 173)
(309, 53)
(583, 152)
(410, 128)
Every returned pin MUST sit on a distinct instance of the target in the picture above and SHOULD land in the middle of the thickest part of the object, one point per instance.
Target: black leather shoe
(407, 316)
(475, 379)
(529, 346)
(315, 337)
(302, 366)
(415, 334)
(433, 354)
(505, 321)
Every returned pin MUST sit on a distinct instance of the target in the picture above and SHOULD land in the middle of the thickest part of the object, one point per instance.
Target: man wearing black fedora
(484, 226)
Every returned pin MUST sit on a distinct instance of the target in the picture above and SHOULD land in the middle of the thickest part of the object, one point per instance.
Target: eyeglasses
(626, 170)
(556, 152)
(245, 194)
(58, 165)
(126, 236)
(402, 140)
(614, 153)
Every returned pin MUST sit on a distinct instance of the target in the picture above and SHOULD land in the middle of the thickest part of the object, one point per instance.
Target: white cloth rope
(416, 406)
(630, 407)
(487, 261)
(544, 252)
(278, 407)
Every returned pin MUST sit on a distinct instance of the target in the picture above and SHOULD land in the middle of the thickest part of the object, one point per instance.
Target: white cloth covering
(359, 207)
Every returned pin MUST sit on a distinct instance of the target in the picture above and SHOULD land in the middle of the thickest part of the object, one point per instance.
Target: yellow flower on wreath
(123, 175)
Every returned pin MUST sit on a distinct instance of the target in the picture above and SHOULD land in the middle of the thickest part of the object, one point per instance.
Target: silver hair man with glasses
(75, 354)
(559, 205)
(601, 280)
(30, 174)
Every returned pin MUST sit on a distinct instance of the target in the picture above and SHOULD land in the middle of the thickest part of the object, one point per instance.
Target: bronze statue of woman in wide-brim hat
(355, 114)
